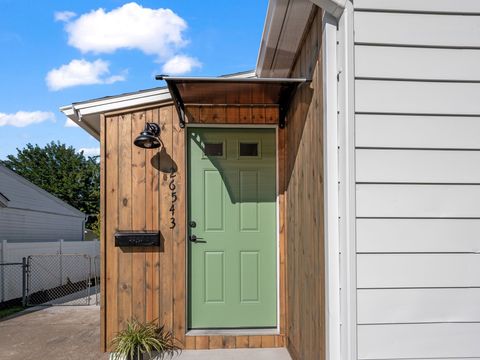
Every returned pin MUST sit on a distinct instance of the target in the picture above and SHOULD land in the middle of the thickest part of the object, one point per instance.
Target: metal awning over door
(208, 91)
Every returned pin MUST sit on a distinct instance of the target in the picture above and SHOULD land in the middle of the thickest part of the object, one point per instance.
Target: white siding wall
(417, 88)
(18, 225)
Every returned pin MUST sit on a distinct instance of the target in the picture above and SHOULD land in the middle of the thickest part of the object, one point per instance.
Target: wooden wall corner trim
(103, 340)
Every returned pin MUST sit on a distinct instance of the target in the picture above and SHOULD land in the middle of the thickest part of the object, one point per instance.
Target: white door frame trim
(239, 331)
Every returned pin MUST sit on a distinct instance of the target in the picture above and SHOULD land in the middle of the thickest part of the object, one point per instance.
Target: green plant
(138, 339)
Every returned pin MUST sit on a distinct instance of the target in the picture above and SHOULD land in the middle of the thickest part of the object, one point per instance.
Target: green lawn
(9, 311)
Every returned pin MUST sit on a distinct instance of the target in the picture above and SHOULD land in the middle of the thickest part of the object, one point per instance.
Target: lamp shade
(148, 138)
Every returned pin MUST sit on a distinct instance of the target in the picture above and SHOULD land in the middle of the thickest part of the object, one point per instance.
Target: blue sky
(58, 52)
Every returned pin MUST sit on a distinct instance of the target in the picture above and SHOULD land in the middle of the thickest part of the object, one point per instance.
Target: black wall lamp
(148, 138)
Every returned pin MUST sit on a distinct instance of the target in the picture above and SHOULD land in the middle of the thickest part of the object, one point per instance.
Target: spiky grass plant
(138, 339)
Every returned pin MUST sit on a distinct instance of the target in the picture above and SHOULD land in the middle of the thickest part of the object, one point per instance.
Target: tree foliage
(63, 172)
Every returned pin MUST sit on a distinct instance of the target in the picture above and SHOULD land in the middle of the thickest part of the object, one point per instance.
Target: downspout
(331, 189)
(337, 321)
(77, 113)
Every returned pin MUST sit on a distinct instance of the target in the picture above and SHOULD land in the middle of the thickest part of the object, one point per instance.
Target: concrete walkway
(52, 333)
(73, 333)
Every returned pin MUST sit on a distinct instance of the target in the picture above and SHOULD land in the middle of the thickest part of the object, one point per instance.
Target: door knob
(194, 238)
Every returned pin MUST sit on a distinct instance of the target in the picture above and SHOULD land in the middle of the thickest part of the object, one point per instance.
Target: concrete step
(236, 354)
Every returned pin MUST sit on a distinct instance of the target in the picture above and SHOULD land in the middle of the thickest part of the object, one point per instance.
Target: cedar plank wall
(150, 283)
(304, 205)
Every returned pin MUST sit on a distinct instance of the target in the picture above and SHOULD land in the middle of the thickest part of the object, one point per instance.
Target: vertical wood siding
(150, 284)
(232, 115)
(417, 151)
(305, 199)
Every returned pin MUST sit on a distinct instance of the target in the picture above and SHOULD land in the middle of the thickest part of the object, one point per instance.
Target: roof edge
(285, 25)
(75, 212)
(86, 114)
(93, 108)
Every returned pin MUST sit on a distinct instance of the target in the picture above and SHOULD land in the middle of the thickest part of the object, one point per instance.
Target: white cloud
(156, 32)
(64, 16)
(180, 64)
(81, 72)
(90, 151)
(70, 123)
(25, 118)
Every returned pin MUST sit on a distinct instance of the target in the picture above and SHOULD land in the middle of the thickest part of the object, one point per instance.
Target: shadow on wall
(230, 177)
(297, 117)
(163, 162)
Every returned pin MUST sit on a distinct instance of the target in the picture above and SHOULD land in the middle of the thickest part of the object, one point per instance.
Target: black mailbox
(139, 238)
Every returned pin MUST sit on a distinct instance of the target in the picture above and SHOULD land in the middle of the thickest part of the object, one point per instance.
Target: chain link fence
(66, 279)
(13, 284)
(51, 279)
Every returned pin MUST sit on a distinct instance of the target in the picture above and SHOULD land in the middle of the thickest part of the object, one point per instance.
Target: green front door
(232, 214)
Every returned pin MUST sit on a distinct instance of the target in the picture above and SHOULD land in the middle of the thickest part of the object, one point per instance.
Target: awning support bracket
(177, 99)
(284, 103)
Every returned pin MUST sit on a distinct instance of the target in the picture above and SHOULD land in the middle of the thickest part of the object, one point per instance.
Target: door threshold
(233, 332)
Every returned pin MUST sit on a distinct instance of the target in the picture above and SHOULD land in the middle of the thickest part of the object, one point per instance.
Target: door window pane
(213, 149)
(248, 149)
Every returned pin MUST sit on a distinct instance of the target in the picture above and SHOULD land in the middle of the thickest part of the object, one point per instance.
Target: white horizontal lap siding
(427, 30)
(418, 201)
(413, 97)
(418, 270)
(432, 341)
(404, 131)
(17, 225)
(403, 306)
(417, 166)
(417, 86)
(418, 235)
(452, 6)
(389, 62)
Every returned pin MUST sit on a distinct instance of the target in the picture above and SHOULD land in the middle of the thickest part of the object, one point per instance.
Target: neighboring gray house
(29, 214)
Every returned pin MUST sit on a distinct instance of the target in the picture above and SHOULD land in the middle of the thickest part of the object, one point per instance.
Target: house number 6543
(172, 187)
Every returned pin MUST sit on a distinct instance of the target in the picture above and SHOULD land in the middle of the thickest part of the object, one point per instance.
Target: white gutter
(333, 7)
(117, 102)
(87, 114)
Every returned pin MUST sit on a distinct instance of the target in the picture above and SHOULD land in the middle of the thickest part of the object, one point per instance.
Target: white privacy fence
(53, 271)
